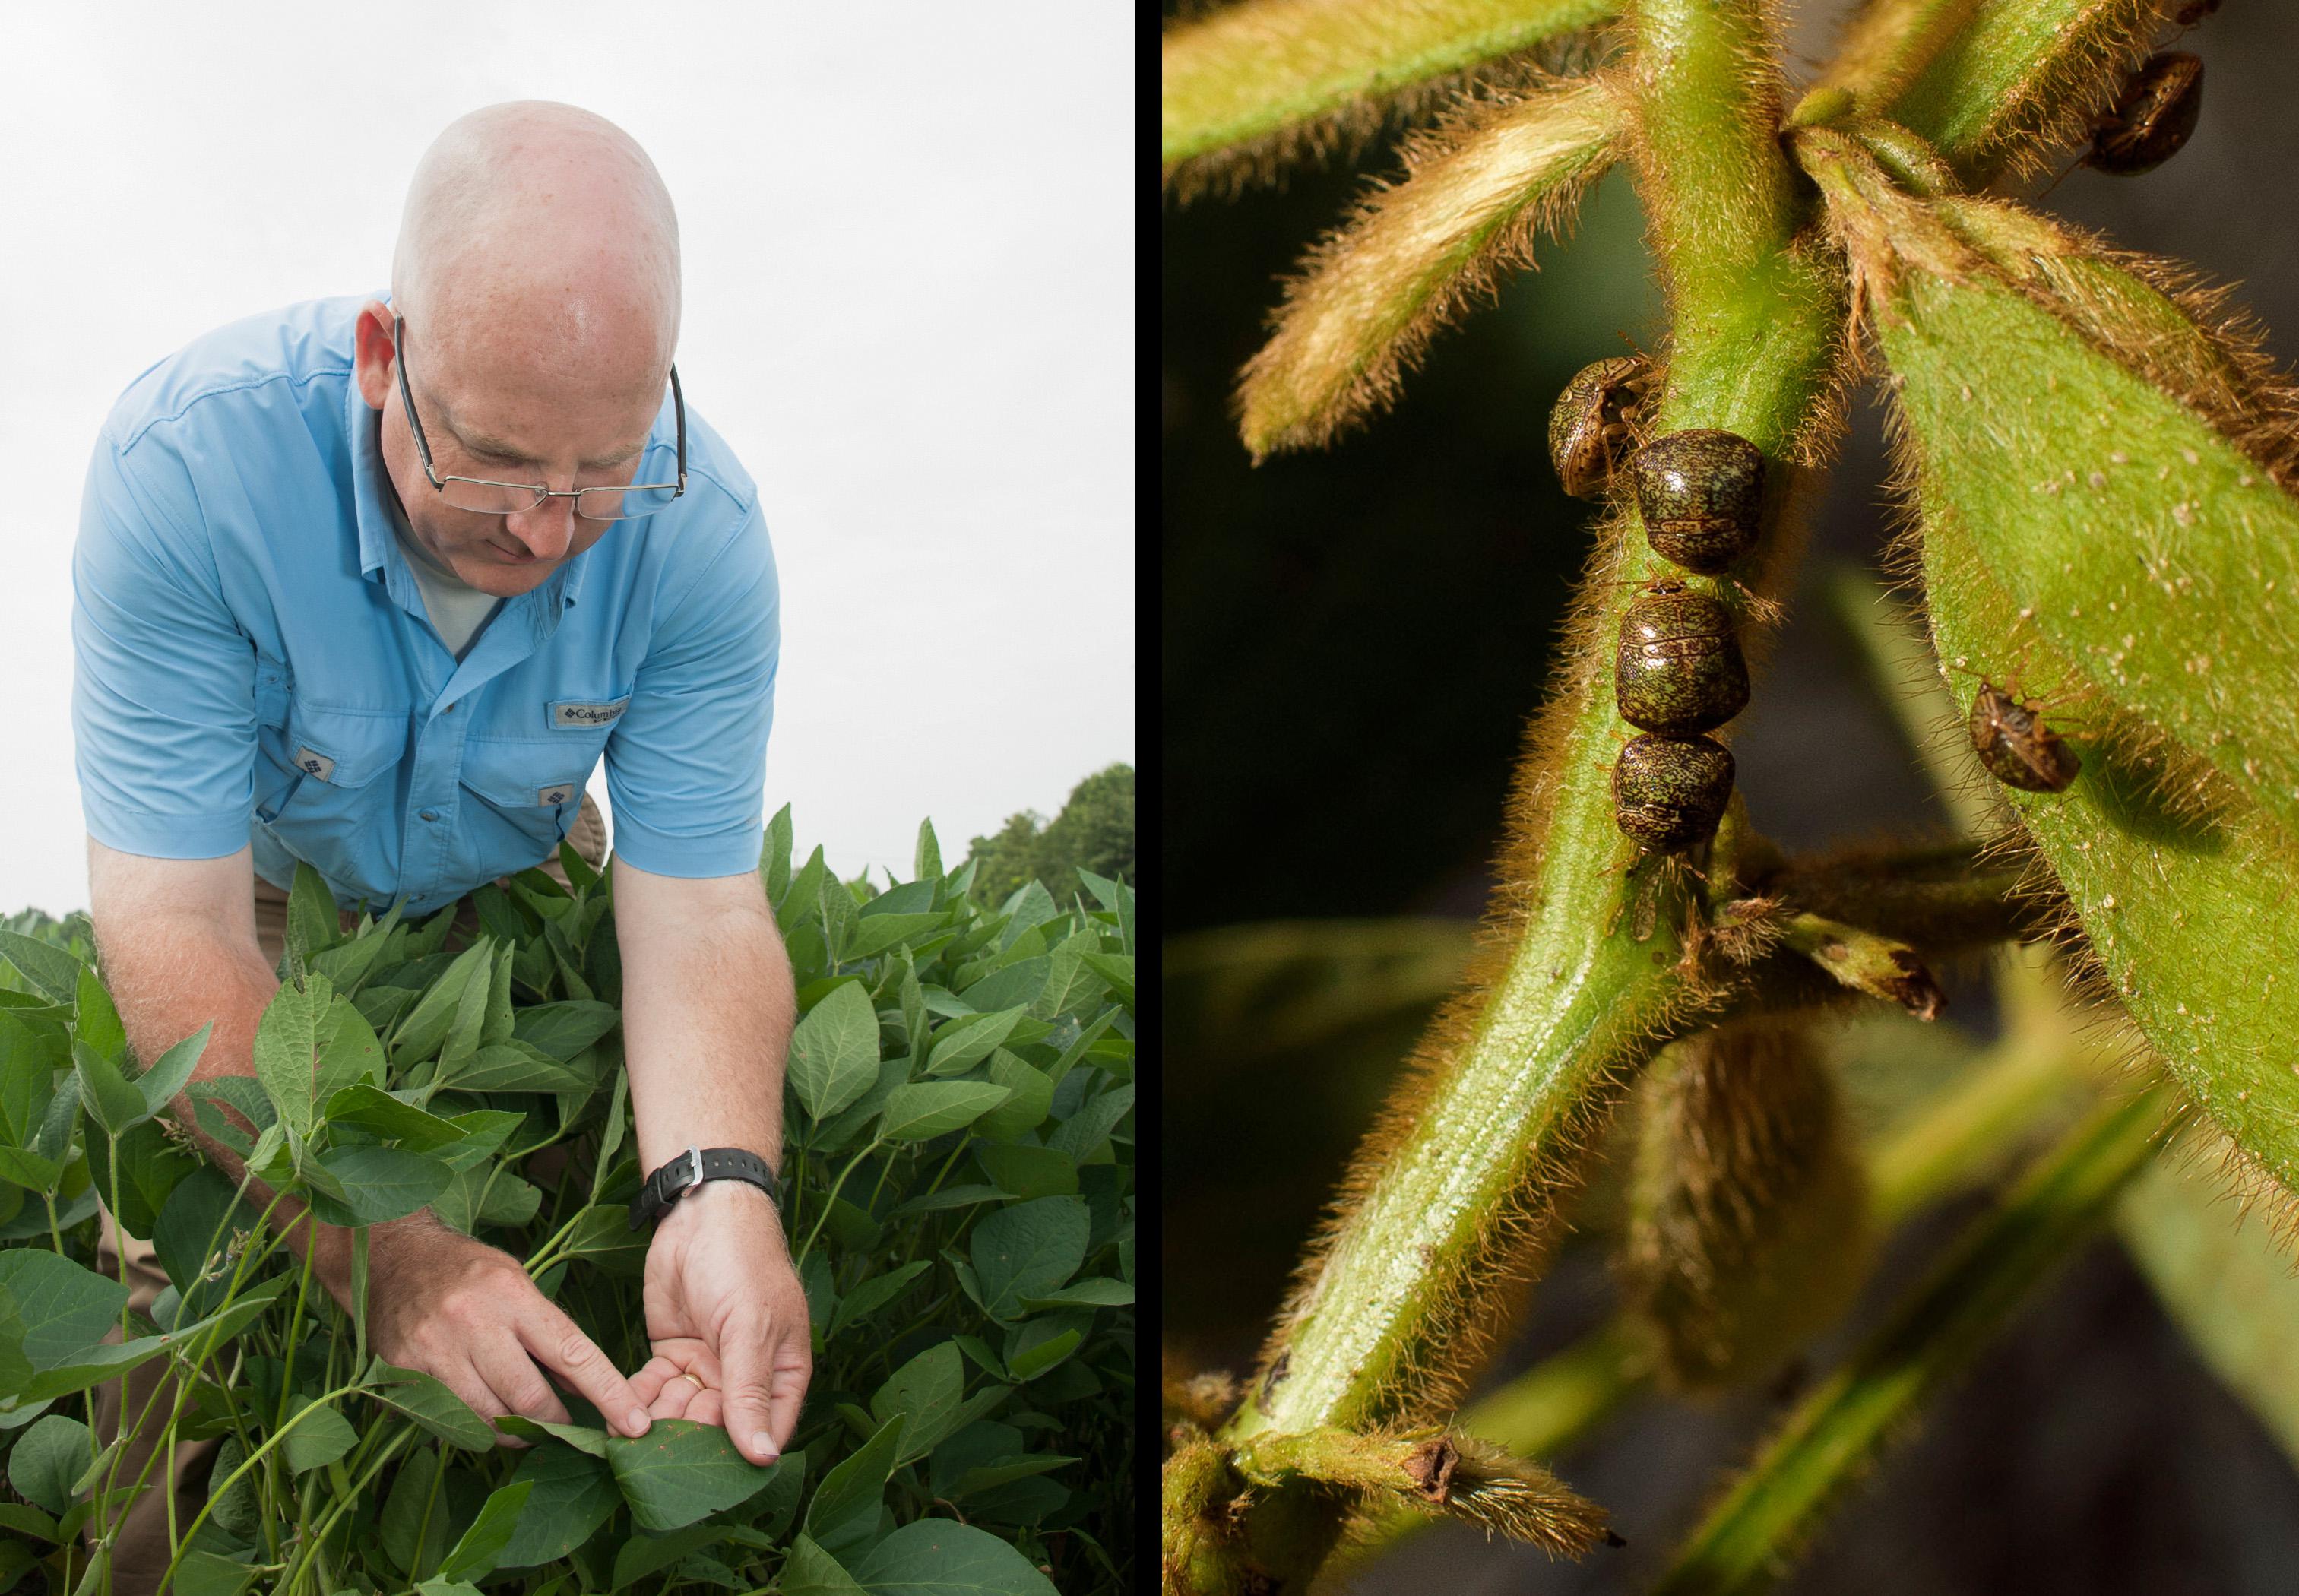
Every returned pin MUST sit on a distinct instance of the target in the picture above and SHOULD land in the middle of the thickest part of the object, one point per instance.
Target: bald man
(372, 584)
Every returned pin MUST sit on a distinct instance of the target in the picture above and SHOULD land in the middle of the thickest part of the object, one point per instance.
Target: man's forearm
(707, 1017)
(167, 980)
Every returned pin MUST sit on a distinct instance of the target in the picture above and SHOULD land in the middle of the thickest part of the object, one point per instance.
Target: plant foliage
(958, 1177)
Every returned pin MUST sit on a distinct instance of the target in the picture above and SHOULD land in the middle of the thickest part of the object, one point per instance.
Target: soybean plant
(2097, 468)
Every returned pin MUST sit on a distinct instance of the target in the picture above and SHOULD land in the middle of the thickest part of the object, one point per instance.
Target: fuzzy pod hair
(1250, 89)
(1749, 1208)
(2022, 79)
(1419, 254)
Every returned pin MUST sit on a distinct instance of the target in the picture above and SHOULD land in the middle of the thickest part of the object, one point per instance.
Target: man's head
(538, 276)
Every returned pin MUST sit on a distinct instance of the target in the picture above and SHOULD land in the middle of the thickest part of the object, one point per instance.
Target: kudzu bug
(1669, 791)
(1678, 667)
(2151, 118)
(1701, 493)
(2015, 745)
(1590, 428)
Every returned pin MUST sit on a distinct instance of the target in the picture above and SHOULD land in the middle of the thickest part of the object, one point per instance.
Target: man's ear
(372, 354)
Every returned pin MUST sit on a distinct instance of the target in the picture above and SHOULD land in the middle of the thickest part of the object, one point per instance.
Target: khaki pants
(140, 1555)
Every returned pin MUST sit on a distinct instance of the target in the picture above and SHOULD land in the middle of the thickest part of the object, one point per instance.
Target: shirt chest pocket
(533, 784)
(328, 761)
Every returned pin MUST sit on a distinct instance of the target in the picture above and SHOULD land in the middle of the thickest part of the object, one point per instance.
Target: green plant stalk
(1575, 1003)
(1742, 1544)
(2024, 75)
(1256, 70)
(1952, 1145)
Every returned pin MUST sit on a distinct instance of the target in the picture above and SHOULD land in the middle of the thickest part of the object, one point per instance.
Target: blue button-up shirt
(253, 665)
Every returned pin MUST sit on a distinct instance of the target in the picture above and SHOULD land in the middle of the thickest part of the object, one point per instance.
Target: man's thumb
(743, 1363)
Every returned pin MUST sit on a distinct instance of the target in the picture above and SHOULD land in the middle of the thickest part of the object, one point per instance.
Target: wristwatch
(690, 1169)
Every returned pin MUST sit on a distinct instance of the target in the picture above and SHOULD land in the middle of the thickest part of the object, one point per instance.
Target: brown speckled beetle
(1590, 428)
(2015, 745)
(1701, 493)
(1669, 792)
(1678, 667)
(2151, 118)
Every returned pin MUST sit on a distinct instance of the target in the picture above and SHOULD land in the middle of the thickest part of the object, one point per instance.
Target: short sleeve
(687, 764)
(163, 679)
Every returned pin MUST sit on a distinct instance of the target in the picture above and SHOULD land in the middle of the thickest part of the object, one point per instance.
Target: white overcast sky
(908, 233)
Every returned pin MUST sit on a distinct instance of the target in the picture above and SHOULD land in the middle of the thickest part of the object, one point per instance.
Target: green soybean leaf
(1028, 1249)
(938, 1557)
(64, 1307)
(1032, 1094)
(513, 1066)
(642, 1555)
(203, 1573)
(378, 1113)
(564, 1029)
(47, 1459)
(110, 1102)
(680, 1471)
(53, 973)
(834, 1052)
(428, 1401)
(582, 1438)
(426, 1025)
(1025, 1170)
(966, 1042)
(921, 1110)
(2121, 523)
(95, 1020)
(379, 1183)
(572, 1495)
(873, 934)
(1098, 1292)
(925, 858)
(774, 855)
(160, 1083)
(286, 1050)
(1086, 1129)
(873, 1294)
(2184, 914)
(318, 1437)
(1017, 985)
(348, 1051)
(475, 1553)
(925, 1394)
(845, 1506)
(810, 1571)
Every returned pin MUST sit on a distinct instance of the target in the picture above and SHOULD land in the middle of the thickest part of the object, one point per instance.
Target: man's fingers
(518, 1383)
(786, 1385)
(743, 1358)
(559, 1344)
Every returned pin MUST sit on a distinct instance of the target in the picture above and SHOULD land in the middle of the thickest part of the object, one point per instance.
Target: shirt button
(450, 709)
(430, 814)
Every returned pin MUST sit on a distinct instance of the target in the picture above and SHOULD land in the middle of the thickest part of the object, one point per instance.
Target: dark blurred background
(1353, 640)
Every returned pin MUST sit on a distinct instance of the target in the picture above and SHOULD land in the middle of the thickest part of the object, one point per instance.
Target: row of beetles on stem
(1678, 673)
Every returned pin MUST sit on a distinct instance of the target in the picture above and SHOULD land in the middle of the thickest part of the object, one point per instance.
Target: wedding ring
(699, 1385)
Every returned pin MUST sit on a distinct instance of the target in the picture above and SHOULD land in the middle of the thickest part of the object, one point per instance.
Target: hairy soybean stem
(1954, 1143)
(1456, 1192)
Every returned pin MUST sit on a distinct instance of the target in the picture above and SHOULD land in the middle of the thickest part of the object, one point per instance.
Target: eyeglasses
(509, 498)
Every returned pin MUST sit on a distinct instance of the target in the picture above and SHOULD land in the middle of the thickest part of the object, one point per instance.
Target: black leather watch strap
(690, 1169)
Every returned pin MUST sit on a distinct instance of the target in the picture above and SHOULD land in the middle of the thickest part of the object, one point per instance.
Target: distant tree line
(1093, 832)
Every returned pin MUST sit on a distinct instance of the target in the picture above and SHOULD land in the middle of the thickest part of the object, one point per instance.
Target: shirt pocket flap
(523, 774)
(344, 748)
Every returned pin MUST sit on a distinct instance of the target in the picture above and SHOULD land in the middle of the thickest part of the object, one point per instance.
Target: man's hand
(727, 1317)
(467, 1314)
